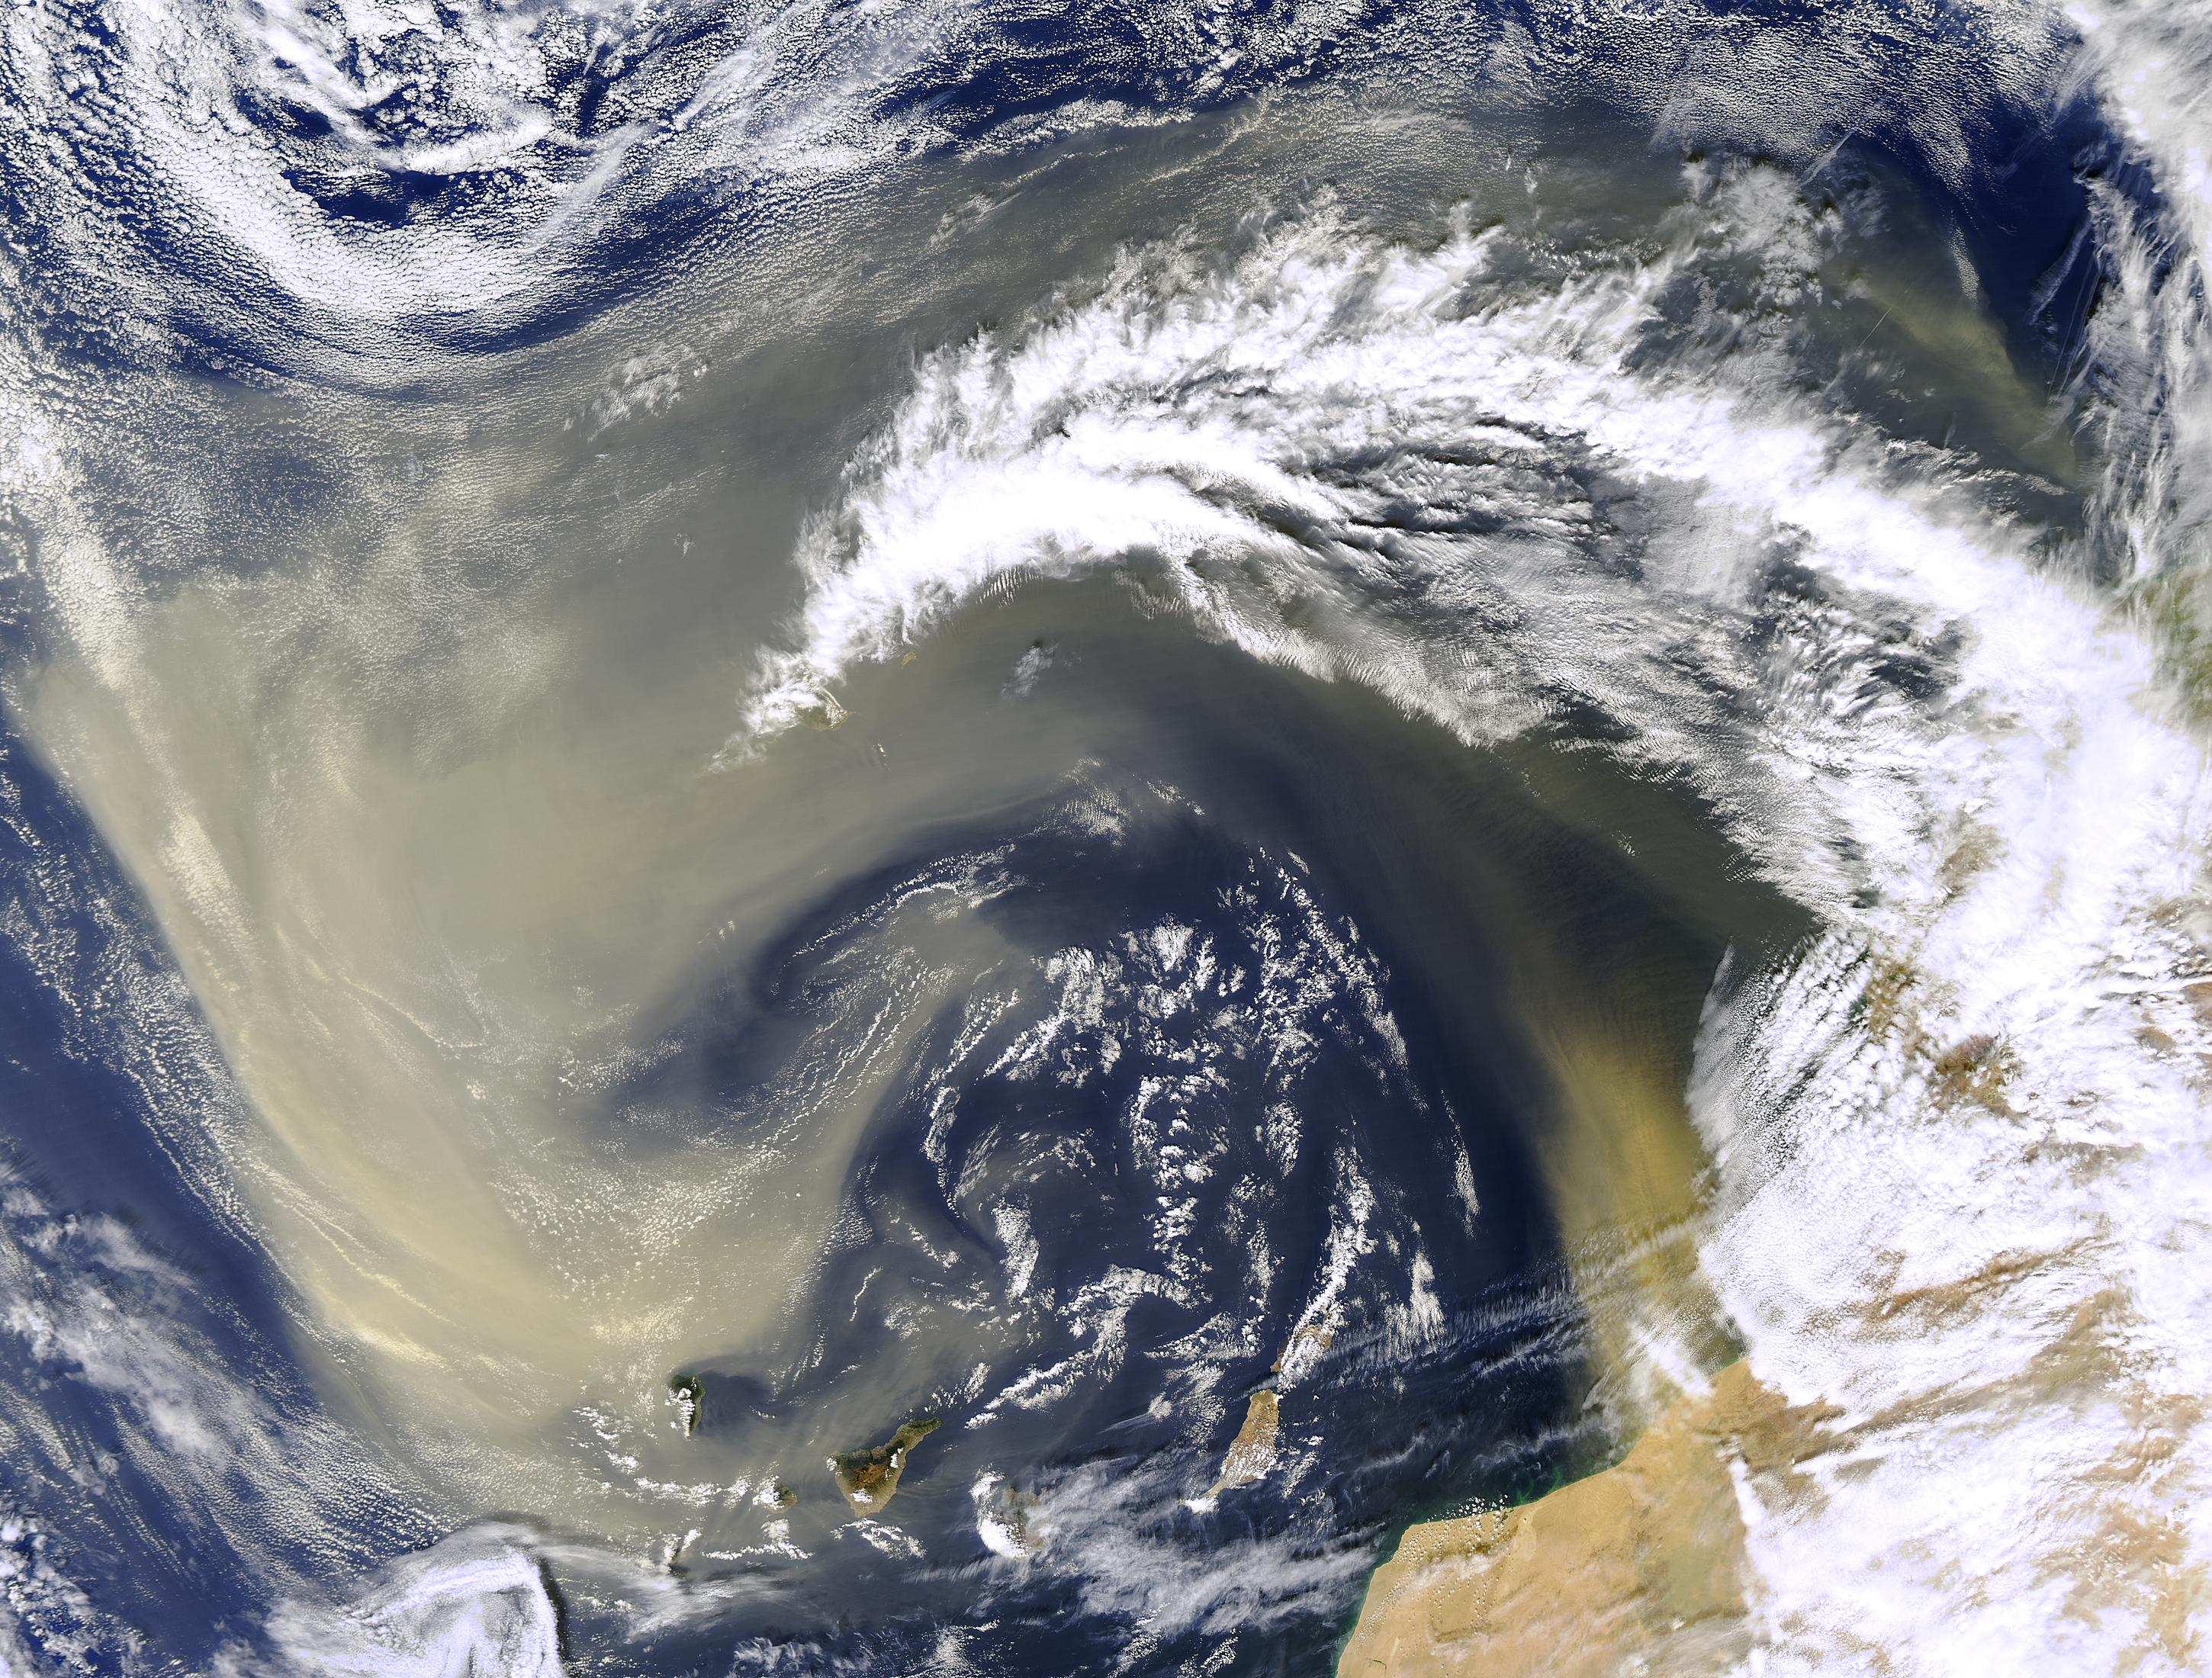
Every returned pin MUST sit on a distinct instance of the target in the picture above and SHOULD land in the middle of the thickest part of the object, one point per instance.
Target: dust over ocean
(891, 837)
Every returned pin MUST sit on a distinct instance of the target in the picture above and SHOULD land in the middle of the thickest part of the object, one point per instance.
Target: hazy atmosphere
(897, 838)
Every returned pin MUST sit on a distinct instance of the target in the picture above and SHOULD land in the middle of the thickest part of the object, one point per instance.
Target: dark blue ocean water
(1335, 1041)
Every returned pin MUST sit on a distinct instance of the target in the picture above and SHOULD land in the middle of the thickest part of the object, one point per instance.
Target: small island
(688, 1392)
(1251, 1453)
(870, 1479)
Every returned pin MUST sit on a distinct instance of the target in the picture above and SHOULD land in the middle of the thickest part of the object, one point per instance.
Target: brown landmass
(1636, 1569)
(870, 1479)
(1252, 1452)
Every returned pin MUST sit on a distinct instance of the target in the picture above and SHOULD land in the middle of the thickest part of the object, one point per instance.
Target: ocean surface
(1279, 755)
